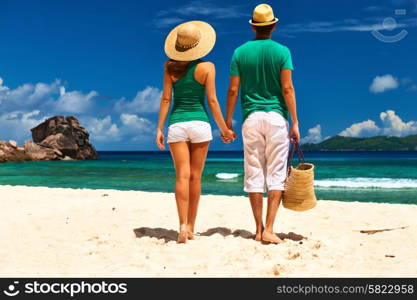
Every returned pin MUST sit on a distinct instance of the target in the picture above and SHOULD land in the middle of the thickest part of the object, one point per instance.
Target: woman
(189, 132)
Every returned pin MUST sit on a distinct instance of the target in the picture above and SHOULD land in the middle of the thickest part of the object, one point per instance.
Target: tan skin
(189, 158)
(266, 233)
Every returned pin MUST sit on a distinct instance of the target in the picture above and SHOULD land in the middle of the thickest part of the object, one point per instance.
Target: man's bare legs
(268, 235)
(256, 203)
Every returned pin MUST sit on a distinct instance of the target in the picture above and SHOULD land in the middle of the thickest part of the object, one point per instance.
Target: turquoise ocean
(348, 176)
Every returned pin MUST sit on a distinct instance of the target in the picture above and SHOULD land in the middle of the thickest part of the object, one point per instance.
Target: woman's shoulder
(205, 64)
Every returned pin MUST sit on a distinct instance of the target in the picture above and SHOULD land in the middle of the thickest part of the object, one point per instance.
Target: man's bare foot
(271, 237)
(258, 235)
(182, 236)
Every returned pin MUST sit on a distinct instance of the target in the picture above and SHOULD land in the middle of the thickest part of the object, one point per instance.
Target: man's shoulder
(279, 46)
(248, 46)
(242, 47)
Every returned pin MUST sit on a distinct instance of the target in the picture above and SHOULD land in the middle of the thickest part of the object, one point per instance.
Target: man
(262, 68)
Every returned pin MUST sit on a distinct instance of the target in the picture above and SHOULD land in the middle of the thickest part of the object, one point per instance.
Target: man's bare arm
(289, 96)
(232, 95)
(213, 103)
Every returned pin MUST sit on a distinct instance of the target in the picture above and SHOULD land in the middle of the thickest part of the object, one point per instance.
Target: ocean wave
(366, 182)
(226, 176)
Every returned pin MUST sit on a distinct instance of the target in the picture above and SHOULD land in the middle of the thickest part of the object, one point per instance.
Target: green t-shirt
(258, 63)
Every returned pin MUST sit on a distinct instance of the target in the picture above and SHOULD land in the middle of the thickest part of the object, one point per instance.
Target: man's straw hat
(190, 41)
(263, 15)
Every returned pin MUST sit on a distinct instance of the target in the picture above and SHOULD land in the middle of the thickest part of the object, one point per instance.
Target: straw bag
(299, 186)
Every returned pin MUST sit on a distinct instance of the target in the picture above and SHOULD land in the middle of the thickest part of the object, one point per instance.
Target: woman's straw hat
(190, 41)
(263, 15)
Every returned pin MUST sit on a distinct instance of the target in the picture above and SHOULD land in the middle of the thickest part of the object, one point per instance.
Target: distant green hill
(376, 143)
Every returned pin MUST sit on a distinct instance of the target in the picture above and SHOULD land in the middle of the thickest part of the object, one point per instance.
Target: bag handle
(300, 155)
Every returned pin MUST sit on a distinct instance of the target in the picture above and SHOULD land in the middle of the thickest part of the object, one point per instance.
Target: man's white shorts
(266, 144)
(190, 131)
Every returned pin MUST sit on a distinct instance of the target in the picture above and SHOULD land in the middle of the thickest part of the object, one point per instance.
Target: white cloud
(145, 101)
(26, 96)
(28, 105)
(3, 89)
(374, 8)
(102, 130)
(16, 125)
(49, 97)
(202, 9)
(409, 84)
(166, 22)
(131, 127)
(205, 8)
(383, 83)
(391, 125)
(361, 129)
(412, 88)
(42, 90)
(394, 126)
(356, 25)
(75, 101)
(137, 128)
(314, 135)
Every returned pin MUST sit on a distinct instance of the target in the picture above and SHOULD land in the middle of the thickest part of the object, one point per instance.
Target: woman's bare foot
(271, 237)
(190, 232)
(182, 236)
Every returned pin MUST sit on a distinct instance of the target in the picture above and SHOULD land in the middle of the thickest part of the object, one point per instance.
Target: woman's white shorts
(266, 144)
(190, 131)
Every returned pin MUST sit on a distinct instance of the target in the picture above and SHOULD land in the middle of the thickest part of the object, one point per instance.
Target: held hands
(160, 139)
(228, 136)
(294, 134)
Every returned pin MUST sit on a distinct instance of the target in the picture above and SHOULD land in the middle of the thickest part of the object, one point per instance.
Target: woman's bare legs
(198, 154)
(181, 155)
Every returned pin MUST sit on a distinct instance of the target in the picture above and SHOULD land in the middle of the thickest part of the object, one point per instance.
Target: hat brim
(263, 23)
(204, 46)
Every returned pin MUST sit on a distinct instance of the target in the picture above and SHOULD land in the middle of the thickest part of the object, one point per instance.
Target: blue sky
(102, 62)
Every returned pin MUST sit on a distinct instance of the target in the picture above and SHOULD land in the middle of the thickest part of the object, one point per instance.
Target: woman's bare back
(201, 72)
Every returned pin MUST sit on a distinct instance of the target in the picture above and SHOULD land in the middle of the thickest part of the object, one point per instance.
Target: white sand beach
(107, 233)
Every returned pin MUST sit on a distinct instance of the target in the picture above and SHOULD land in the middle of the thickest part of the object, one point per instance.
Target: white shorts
(190, 131)
(266, 144)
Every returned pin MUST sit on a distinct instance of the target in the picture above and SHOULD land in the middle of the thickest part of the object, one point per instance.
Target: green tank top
(188, 98)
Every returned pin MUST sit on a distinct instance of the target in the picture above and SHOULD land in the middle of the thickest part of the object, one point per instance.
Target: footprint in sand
(292, 255)
(278, 269)
(316, 245)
